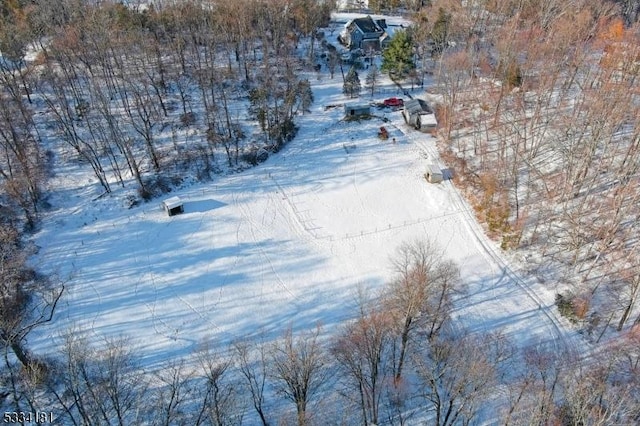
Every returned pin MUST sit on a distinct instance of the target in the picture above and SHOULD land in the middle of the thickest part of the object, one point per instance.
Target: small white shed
(433, 174)
(173, 206)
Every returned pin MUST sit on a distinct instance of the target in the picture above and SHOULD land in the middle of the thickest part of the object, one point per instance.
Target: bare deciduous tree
(363, 352)
(300, 367)
(21, 164)
(172, 392)
(217, 391)
(533, 393)
(457, 374)
(419, 298)
(100, 386)
(251, 360)
(372, 78)
(27, 300)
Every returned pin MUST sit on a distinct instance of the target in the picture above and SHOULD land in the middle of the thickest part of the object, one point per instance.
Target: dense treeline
(538, 107)
(115, 82)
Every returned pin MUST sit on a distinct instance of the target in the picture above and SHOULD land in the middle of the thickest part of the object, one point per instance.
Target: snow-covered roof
(428, 120)
(434, 169)
(172, 203)
(417, 106)
(356, 105)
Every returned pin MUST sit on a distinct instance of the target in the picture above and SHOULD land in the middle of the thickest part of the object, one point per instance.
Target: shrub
(511, 74)
(158, 185)
(187, 119)
(255, 155)
(566, 307)
(282, 133)
(580, 307)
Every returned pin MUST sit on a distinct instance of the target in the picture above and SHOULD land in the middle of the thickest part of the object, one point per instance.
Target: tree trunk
(403, 346)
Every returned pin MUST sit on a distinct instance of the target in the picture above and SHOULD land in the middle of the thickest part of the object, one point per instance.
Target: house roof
(353, 106)
(417, 106)
(428, 120)
(367, 25)
(434, 169)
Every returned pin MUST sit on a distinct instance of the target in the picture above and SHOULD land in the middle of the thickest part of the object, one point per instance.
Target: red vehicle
(393, 102)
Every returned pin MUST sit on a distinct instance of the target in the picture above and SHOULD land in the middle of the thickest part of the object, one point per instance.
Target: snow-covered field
(285, 243)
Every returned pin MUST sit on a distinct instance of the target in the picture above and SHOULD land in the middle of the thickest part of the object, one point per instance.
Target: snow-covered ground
(285, 243)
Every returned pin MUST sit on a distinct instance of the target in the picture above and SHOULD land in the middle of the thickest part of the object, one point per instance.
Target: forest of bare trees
(538, 109)
(113, 79)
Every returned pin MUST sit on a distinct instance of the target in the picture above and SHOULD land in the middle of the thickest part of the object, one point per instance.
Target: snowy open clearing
(285, 243)
(226, 213)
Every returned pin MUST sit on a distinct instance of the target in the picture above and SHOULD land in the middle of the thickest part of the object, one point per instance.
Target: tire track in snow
(355, 186)
(252, 226)
(300, 223)
(158, 322)
(481, 239)
(489, 252)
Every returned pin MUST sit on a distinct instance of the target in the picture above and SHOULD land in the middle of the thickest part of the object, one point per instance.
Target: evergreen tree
(352, 84)
(397, 59)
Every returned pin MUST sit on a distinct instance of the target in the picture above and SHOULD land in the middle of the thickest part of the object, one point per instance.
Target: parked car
(393, 102)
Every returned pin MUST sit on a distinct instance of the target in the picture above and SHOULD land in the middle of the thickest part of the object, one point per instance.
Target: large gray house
(364, 33)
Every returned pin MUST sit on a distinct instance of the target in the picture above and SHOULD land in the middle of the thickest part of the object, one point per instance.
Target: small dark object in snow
(349, 148)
